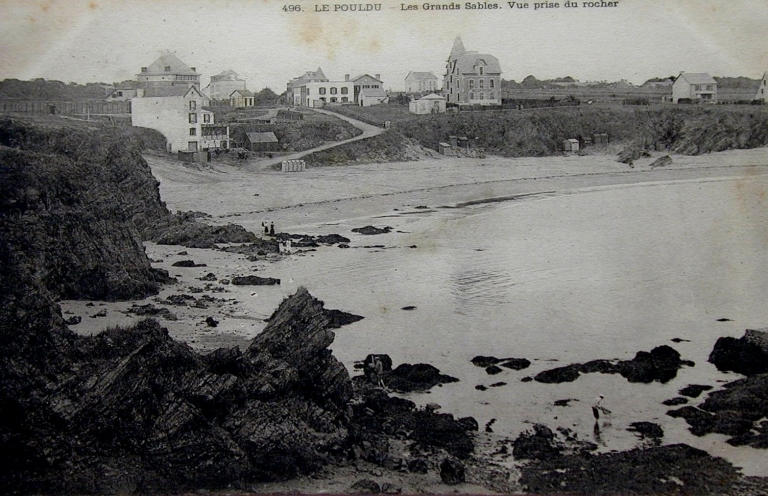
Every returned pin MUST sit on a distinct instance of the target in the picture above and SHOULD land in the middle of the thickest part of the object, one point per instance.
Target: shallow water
(600, 273)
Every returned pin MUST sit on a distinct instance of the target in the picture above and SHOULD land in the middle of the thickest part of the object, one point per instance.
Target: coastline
(242, 323)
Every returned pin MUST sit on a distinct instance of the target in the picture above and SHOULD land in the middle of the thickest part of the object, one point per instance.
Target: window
(334, 99)
(143, 69)
(471, 83)
(193, 118)
(167, 68)
(334, 90)
(192, 105)
(344, 99)
(481, 70)
(492, 83)
(206, 118)
(321, 91)
(344, 90)
(192, 131)
(482, 84)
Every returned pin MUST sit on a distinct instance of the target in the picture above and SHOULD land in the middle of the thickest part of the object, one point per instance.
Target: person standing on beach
(266, 228)
(271, 228)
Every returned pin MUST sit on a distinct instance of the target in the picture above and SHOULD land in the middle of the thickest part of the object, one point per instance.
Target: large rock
(452, 471)
(132, 408)
(747, 355)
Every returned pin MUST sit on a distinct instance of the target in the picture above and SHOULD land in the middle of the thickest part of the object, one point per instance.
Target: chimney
(346, 77)
(378, 76)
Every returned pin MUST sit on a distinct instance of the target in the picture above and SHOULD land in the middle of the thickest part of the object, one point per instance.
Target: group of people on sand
(269, 228)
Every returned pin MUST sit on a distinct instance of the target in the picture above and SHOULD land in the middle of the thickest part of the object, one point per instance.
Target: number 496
(291, 8)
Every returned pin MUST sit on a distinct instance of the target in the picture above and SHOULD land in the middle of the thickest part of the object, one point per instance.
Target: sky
(109, 40)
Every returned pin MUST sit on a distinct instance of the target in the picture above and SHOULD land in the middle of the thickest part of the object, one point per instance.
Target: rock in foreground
(747, 355)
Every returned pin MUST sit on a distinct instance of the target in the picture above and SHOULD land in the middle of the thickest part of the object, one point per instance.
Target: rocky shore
(131, 410)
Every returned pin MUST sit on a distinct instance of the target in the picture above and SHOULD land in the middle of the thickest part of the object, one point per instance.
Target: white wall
(170, 116)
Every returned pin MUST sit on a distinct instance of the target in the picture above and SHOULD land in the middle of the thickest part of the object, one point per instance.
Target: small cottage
(261, 142)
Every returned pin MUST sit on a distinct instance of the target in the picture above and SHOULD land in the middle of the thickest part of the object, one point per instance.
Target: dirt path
(368, 131)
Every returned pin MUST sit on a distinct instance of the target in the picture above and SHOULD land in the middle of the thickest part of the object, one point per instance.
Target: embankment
(687, 130)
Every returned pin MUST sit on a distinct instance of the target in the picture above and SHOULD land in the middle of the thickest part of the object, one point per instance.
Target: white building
(177, 112)
(320, 93)
(369, 90)
(223, 84)
(762, 90)
(695, 86)
(471, 78)
(421, 82)
(430, 104)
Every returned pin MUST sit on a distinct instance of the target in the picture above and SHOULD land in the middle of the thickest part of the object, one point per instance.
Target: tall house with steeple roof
(168, 70)
(471, 78)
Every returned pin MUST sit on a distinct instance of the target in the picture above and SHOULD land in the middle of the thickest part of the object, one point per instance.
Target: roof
(177, 90)
(308, 76)
(242, 92)
(373, 92)
(697, 78)
(267, 137)
(228, 75)
(432, 96)
(420, 75)
(458, 49)
(466, 63)
(361, 76)
(172, 61)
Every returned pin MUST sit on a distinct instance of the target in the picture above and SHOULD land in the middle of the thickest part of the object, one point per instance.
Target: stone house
(241, 98)
(471, 78)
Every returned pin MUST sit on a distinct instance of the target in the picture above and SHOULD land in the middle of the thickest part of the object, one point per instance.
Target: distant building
(241, 98)
(369, 90)
(168, 70)
(178, 113)
(295, 85)
(421, 82)
(223, 84)
(694, 86)
(123, 92)
(762, 90)
(430, 104)
(261, 142)
(471, 78)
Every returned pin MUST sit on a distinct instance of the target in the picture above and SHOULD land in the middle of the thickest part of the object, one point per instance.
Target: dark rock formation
(131, 408)
(409, 307)
(516, 363)
(677, 400)
(74, 320)
(694, 390)
(737, 411)
(452, 471)
(661, 162)
(61, 188)
(417, 377)
(257, 248)
(631, 153)
(537, 443)
(211, 322)
(660, 364)
(331, 239)
(254, 281)
(184, 229)
(150, 310)
(365, 486)
(647, 430)
(485, 361)
(370, 230)
(187, 263)
(673, 469)
(747, 355)
(337, 318)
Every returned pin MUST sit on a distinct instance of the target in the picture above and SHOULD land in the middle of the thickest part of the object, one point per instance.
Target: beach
(557, 260)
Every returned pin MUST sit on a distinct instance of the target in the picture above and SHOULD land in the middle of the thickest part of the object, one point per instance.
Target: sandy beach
(499, 257)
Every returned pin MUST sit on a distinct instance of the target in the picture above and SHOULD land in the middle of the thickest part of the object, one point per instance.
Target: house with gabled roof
(179, 113)
(241, 98)
(168, 70)
(471, 78)
(421, 82)
(369, 90)
(694, 87)
(297, 85)
(762, 90)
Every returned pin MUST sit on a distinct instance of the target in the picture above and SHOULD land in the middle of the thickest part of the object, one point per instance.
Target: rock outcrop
(747, 355)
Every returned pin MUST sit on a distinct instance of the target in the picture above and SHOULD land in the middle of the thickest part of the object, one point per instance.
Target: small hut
(261, 142)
